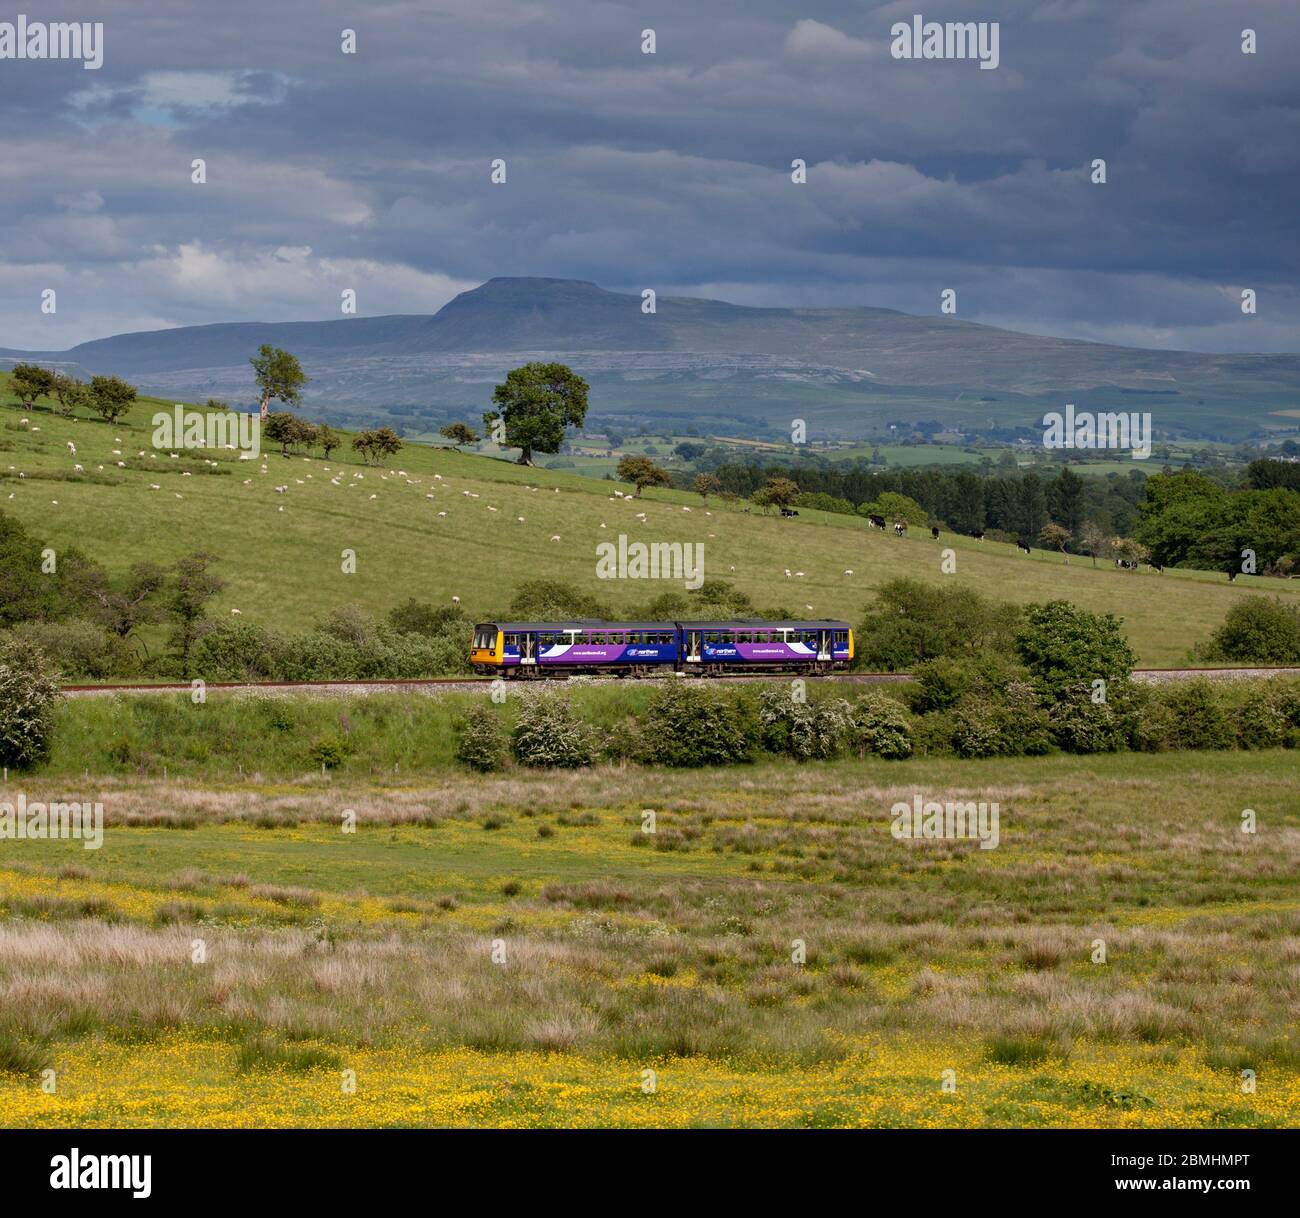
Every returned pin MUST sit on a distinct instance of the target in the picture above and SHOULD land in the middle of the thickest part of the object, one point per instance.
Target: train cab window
(841, 638)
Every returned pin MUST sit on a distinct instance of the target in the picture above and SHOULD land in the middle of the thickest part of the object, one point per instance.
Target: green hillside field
(436, 524)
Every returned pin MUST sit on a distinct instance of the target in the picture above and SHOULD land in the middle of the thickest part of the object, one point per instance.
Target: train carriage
(762, 646)
(542, 649)
(539, 649)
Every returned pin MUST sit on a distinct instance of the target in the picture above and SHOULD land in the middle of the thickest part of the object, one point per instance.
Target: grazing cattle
(899, 528)
(1157, 567)
(1023, 546)
(789, 512)
(876, 522)
(934, 532)
(978, 534)
(1232, 575)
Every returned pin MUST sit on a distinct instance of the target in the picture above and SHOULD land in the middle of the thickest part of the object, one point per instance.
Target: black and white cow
(1023, 546)
(900, 527)
(876, 522)
(934, 532)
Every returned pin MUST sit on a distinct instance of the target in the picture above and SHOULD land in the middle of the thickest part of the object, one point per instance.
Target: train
(531, 650)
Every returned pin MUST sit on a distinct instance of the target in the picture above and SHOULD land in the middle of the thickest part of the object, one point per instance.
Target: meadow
(516, 949)
(436, 524)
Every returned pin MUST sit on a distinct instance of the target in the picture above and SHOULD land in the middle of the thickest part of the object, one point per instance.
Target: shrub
(1198, 717)
(1258, 630)
(880, 727)
(329, 751)
(912, 622)
(318, 656)
(1062, 644)
(77, 648)
(692, 725)
(480, 740)
(1081, 725)
(976, 729)
(27, 696)
(238, 651)
(550, 733)
(1150, 726)
(1026, 722)
(1261, 721)
(804, 730)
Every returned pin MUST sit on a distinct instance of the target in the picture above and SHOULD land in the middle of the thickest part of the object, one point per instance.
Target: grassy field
(516, 951)
(439, 524)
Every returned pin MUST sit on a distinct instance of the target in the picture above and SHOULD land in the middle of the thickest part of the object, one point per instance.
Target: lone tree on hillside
(111, 396)
(706, 485)
(779, 492)
(642, 472)
(459, 433)
(1055, 537)
(1094, 539)
(278, 375)
(536, 403)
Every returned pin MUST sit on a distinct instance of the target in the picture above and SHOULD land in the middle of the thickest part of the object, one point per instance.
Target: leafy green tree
(459, 433)
(192, 587)
(778, 492)
(706, 485)
(536, 403)
(1067, 501)
(279, 376)
(642, 472)
(111, 397)
(1095, 540)
(327, 439)
(26, 592)
(893, 506)
(1063, 645)
(28, 692)
(1055, 537)
(1258, 630)
(289, 431)
(375, 445)
(31, 381)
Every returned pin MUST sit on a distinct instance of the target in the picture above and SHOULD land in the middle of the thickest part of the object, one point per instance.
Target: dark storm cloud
(328, 171)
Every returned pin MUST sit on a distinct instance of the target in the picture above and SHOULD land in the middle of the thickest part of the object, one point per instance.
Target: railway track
(433, 685)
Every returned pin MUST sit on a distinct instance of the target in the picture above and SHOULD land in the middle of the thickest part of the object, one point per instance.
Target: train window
(512, 640)
(841, 636)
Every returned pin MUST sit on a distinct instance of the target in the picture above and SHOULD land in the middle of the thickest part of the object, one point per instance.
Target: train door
(692, 646)
(823, 644)
(528, 649)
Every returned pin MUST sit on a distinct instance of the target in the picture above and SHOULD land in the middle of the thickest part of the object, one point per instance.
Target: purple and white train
(561, 649)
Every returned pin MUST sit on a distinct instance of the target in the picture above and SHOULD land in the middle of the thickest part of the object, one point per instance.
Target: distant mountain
(723, 365)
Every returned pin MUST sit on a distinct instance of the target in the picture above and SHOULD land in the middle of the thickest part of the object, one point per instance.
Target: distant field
(621, 952)
(281, 553)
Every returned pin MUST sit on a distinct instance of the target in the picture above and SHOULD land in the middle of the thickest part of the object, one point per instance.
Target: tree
(778, 492)
(31, 381)
(278, 375)
(121, 607)
(1258, 630)
(459, 433)
(1055, 537)
(375, 445)
(193, 585)
(289, 431)
(1095, 540)
(642, 472)
(536, 403)
(328, 439)
(1066, 500)
(28, 693)
(706, 485)
(111, 396)
(69, 393)
(893, 506)
(1062, 645)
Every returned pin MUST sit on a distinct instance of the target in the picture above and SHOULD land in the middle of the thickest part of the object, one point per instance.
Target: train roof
(729, 624)
(764, 624)
(577, 624)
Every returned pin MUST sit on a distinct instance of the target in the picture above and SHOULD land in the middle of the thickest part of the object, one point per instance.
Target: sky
(371, 171)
